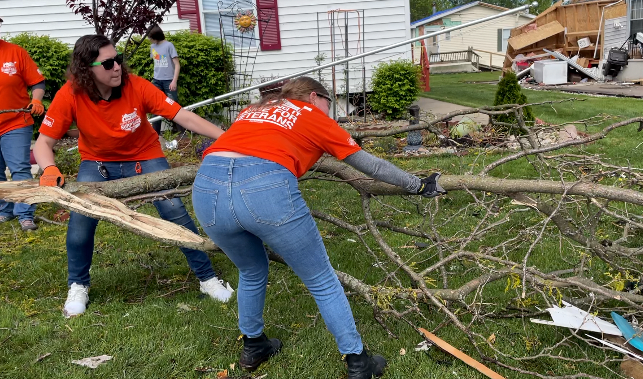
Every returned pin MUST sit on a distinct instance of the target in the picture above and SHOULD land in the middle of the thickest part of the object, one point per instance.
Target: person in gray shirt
(166, 66)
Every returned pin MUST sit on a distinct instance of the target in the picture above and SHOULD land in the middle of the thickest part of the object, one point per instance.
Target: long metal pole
(358, 56)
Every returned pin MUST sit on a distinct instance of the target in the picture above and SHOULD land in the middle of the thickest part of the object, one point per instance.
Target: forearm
(383, 170)
(193, 122)
(177, 69)
(43, 151)
(38, 91)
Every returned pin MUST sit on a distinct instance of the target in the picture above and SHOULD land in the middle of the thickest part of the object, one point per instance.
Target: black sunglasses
(108, 64)
(330, 101)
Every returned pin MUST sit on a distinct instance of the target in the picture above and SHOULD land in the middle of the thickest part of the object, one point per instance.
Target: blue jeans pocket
(269, 204)
(207, 200)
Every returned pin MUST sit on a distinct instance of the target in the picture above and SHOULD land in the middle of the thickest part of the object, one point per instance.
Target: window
(503, 37)
(636, 16)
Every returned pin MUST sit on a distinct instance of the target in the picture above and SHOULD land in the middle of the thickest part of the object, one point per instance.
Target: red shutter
(268, 18)
(189, 10)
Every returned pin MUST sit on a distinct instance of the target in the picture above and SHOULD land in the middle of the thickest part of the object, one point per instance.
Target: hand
(52, 177)
(173, 85)
(36, 107)
(430, 186)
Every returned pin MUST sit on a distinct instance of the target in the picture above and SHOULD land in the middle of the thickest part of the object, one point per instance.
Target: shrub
(206, 65)
(509, 92)
(67, 162)
(51, 55)
(395, 86)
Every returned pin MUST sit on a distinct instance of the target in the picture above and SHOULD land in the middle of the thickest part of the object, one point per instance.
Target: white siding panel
(615, 35)
(385, 22)
(54, 18)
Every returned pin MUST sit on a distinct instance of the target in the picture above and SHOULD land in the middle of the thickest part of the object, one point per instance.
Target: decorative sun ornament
(245, 21)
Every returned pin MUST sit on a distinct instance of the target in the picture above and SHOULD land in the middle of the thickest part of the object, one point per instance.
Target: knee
(324, 283)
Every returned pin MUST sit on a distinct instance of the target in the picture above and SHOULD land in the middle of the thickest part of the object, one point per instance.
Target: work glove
(52, 177)
(429, 187)
(36, 107)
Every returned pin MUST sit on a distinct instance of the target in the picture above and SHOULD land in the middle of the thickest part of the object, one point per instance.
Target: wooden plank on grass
(531, 37)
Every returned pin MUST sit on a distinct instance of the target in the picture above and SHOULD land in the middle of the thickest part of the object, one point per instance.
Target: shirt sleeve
(30, 72)
(156, 101)
(330, 137)
(60, 114)
(172, 51)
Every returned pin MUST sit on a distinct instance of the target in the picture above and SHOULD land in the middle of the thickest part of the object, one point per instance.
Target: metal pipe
(348, 59)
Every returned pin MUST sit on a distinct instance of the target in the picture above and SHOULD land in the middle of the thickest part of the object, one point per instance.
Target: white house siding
(56, 19)
(385, 22)
(615, 34)
(482, 36)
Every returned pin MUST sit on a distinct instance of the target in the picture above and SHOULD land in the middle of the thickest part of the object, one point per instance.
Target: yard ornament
(245, 21)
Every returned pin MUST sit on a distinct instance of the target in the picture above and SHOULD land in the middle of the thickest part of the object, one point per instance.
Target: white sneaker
(214, 287)
(77, 299)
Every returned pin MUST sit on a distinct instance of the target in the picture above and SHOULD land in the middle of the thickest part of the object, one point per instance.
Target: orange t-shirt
(111, 130)
(18, 72)
(292, 133)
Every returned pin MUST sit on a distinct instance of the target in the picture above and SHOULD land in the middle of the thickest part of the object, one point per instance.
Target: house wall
(482, 37)
(305, 34)
(56, 19)
(615, 34)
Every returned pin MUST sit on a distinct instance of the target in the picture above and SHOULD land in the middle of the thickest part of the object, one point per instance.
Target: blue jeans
(243, 203)
(14, 153)
(81, 229)
(164, 85)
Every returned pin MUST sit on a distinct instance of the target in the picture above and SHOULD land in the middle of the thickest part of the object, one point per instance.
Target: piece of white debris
(93, 362)
(575, 318)
(423, 346)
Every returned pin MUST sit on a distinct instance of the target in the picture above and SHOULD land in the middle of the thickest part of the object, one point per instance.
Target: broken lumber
(523, 40)
(460, 355)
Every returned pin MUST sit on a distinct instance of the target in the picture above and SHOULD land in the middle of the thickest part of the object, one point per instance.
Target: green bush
(395, 85)
(509, 92)
(206, 66)
(51, 55)
(67, 162)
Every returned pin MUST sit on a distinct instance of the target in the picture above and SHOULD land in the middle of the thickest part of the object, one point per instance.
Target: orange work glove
(36, 107)
(52, 177)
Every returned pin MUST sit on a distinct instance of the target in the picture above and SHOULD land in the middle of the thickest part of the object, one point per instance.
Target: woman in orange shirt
(110, 108)
(246, 194)
(17, 72)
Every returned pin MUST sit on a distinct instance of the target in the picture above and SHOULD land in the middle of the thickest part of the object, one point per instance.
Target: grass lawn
(146, 310)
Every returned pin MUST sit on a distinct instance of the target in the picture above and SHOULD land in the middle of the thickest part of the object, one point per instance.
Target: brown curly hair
(79, 72)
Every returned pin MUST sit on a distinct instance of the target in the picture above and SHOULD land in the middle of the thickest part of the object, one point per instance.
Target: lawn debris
(460, 355)
(93, 362)
(575, 318)
(629, 333)
(40, 358)
(616, 347)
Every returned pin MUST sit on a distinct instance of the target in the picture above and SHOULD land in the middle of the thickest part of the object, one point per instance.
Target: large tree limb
(104, 208)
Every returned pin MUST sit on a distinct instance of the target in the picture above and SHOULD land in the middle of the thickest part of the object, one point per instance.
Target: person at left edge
(109, 106)
(18, 72)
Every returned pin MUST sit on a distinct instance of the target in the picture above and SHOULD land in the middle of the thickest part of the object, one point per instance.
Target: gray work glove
(429, 187)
